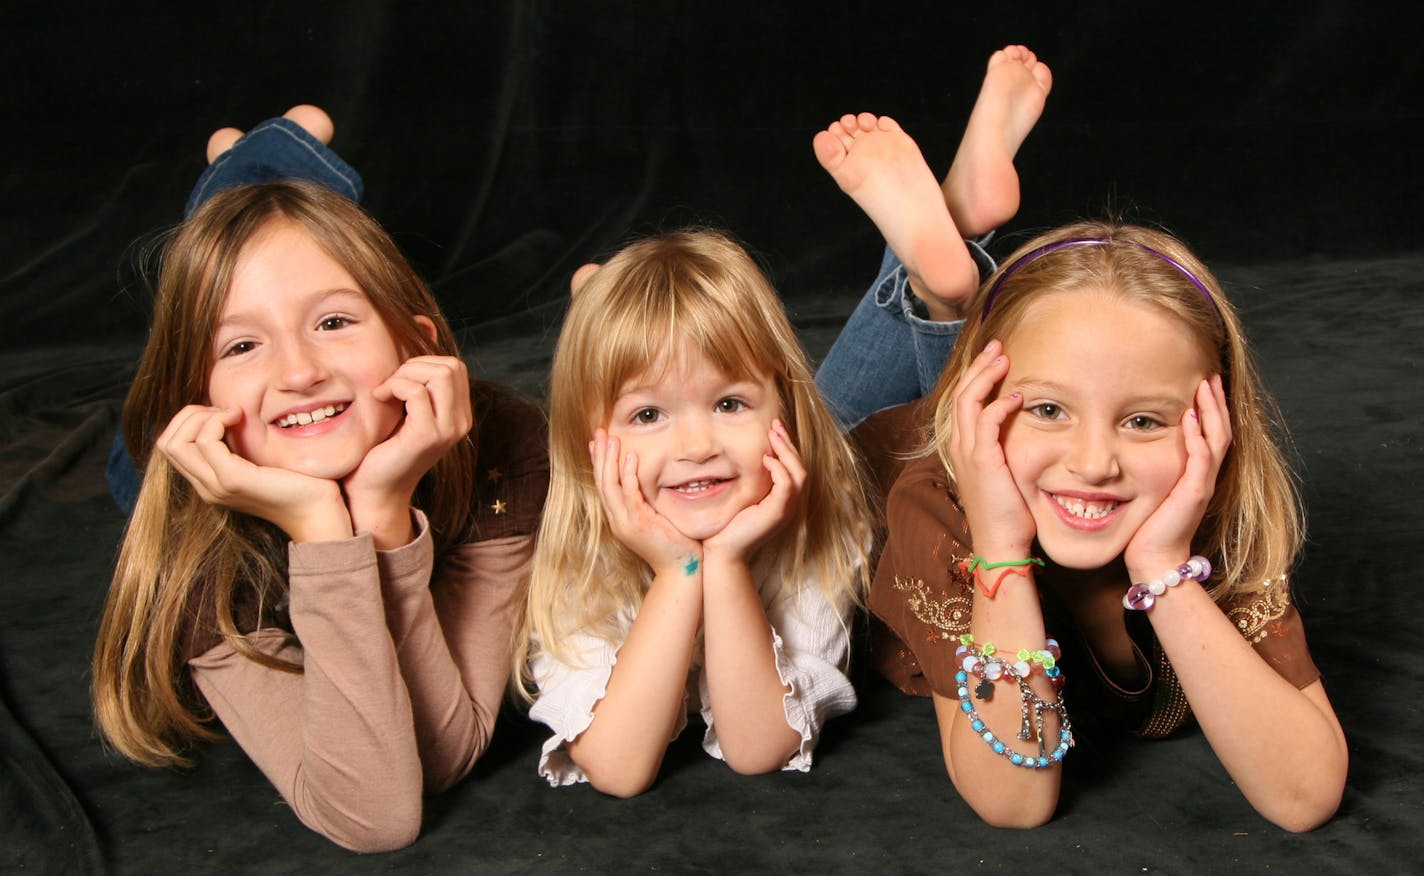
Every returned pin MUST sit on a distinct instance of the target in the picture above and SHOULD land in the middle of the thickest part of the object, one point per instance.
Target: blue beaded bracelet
(1029, 702)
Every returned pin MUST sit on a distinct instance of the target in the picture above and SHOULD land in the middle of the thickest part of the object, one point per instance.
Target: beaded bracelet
(986, 665)
(989, 667)
(973, 565)
(1140, 597)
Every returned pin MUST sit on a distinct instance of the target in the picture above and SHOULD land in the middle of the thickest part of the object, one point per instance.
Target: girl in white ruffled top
(705, 536)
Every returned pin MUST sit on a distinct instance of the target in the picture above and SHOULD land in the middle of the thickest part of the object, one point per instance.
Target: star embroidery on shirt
(494, 475)
(499, 506)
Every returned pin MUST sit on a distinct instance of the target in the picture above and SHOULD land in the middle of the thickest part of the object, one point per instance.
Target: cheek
(221, 390)
(649, 460)
(1025, 455)
(389, 415)
(1160, 466)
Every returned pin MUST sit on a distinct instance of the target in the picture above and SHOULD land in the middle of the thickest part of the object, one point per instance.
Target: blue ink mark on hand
(691, 567)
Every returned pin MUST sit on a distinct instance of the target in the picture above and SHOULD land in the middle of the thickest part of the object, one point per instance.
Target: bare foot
(221, 141)
(313, 118)
(581, 276)
(881, 168)
(982, 188)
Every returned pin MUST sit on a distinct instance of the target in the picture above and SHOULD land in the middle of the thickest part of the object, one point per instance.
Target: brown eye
(238, 349)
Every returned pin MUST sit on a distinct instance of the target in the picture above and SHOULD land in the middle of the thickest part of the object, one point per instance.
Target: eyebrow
(1050, 388)
(305, 300)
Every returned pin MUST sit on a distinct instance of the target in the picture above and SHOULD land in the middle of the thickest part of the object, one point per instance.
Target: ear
(427, 327)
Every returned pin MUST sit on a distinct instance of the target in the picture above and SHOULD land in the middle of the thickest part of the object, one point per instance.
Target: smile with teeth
(306, 418)
(702, 486)
(1086, 509)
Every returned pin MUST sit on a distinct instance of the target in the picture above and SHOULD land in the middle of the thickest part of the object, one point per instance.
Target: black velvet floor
(877, 795)
(505, 142)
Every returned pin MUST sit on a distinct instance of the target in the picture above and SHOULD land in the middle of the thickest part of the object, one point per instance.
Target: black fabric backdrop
(504, 144)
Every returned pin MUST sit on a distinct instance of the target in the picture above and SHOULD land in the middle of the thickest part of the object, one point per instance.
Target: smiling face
(1098, 444)
(298, 349)
(699, 437)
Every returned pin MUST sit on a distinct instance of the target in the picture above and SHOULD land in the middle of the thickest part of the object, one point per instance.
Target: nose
(697, 439)
(1092, 456)
(298, 366)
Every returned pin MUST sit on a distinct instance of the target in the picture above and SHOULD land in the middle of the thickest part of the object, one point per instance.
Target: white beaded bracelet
(1140, 597)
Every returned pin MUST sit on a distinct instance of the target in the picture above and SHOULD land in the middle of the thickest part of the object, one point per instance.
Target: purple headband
(1035, 255)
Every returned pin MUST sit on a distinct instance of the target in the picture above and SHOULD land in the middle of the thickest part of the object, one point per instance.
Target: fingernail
(1192, 413)
(998, 360)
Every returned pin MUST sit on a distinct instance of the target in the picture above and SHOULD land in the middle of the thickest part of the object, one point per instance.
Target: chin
(700, 530)
(324, 469)
(1075, 553)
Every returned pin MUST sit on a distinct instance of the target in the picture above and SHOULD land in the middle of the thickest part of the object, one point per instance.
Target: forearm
(1003, 794)
(1260, 725)
(746, 691)
(478, 593)
(448, 734)
(336, 739)
(622, 750)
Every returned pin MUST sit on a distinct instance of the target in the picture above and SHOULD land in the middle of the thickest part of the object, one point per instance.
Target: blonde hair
(696, 291)
(185, 565)
(1253, 526)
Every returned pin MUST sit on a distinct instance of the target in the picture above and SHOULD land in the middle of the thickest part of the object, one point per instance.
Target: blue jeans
(889, 351)
(277, 149)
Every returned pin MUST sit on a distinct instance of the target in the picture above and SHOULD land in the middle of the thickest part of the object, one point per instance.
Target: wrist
(1005, 551)
(390, 527)
(1144, 592)
(724, 556)
(685, 566)
(327, 521)
(385, 515)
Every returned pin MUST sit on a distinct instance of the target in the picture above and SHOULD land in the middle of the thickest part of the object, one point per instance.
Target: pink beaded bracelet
(1140, 597)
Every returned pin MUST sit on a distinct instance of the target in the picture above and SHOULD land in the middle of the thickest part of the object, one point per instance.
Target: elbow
(393, 830)
(378, 823)
(384, 839)
(1033, 805)
(615, 778)
(624, 787)
(1303, 818)
(1013, 818)
(1306, 806)
(1307, 811)
(757, 763)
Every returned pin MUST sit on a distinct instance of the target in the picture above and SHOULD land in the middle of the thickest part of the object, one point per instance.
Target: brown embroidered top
(925, 601)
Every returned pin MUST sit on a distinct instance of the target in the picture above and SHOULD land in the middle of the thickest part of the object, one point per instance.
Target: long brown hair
(184, 564)
(698, 291)
(1253, 525)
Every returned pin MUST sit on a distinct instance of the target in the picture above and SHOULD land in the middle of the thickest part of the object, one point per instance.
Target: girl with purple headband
(1092, 487)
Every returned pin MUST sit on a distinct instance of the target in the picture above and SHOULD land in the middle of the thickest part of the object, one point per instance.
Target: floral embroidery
(1259, 618)
(946, 618)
